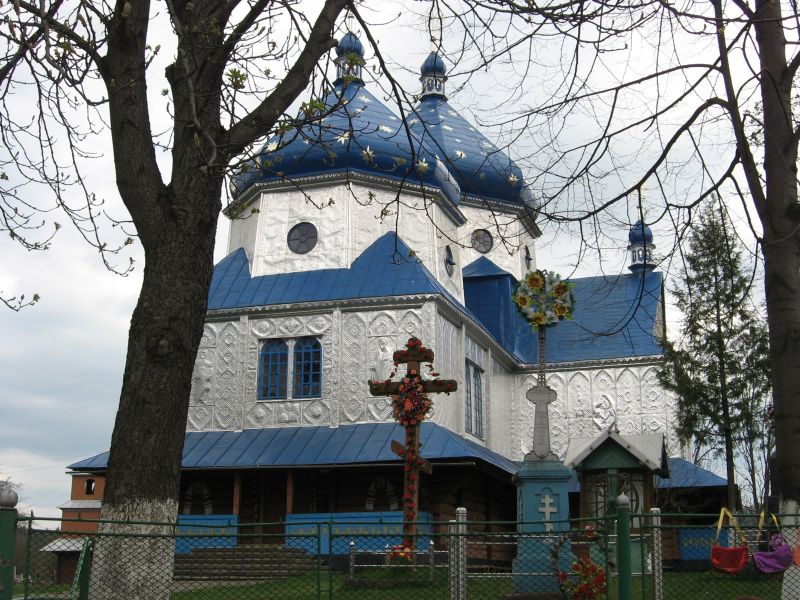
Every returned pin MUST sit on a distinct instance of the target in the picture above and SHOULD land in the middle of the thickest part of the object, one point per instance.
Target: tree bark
(176, 224)
(780, 217)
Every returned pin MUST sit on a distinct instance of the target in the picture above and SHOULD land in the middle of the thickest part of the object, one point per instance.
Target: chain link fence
(669, 557)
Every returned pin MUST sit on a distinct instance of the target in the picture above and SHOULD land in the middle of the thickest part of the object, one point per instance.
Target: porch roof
(362, 443)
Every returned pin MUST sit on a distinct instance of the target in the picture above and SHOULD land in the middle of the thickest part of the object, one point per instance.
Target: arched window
(89, 487)
(273, 368)
(307, 368)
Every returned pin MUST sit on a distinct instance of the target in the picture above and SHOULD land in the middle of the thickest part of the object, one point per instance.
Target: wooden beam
(237, 492)
(289, 492)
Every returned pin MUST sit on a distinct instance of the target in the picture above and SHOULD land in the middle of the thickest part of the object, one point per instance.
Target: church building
(348, 236)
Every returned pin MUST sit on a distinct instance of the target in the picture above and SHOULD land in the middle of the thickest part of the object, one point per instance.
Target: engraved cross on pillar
(410, 404)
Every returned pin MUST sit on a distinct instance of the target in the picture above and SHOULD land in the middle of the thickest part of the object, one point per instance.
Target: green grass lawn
(54, 590)
(413, 585)
(677, 586)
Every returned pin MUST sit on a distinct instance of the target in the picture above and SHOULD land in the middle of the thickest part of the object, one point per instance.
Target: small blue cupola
(349, 58)
(433, 76)
(482, 171)
(640, 246)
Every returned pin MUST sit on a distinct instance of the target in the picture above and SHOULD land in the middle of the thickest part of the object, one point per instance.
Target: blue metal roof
(683, 474)
(383, 269)
(614, 317)
(359, 135)
(482, 267)
(363, 443)
(480, 168)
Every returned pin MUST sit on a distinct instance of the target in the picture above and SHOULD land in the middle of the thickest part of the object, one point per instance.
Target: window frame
(307, 368)
(473, 399)
(297, 370)
(269, 390)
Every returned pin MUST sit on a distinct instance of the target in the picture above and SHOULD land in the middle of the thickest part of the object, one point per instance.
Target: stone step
(246, 551)
(243, 563)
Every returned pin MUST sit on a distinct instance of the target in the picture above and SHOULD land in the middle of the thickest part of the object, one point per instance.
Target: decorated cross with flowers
(410, 405)
(544, 299)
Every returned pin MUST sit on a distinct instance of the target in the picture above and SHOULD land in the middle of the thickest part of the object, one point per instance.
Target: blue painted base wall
(371, 531)
(220, 529)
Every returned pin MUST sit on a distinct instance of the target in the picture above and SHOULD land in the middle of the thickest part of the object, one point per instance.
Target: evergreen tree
(714, 366)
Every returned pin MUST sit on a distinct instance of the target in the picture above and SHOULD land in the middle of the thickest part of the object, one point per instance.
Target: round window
(449, 261)
(482, 240)
(302, 238)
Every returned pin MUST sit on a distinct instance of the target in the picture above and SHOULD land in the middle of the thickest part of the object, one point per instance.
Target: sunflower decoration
(544, 298)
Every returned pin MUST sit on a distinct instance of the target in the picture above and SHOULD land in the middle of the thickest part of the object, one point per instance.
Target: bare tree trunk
(780, 217)
(165, 333)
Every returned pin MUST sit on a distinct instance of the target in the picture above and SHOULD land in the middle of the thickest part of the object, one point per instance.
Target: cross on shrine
(410, 404)
(547, 509)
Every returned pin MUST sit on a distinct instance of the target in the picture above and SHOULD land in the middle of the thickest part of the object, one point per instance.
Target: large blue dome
(640, 233)
(479, 167)
(361, 136)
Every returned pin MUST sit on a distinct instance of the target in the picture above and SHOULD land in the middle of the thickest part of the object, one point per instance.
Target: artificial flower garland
(544, 298)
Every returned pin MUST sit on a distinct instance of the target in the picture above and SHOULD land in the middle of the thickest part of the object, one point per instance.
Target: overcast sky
(61, 361)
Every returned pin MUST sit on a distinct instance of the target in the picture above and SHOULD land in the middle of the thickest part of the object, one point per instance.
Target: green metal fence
(667, 556)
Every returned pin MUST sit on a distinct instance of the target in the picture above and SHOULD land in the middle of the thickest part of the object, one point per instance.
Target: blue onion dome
(354, 134)
(349, 59)
(482, 171)
(350, 44)
(433, 66)
(640, 234)
(433, 76)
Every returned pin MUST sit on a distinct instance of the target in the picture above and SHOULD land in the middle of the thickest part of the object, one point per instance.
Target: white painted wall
(509, 236)
(502, 409)
(352, 216)
(358, 345)
(590, 400)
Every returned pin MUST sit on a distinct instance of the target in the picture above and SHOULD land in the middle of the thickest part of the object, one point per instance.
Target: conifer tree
(713, 367)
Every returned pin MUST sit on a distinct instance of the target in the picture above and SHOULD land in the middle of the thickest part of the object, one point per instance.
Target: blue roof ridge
(483, 267)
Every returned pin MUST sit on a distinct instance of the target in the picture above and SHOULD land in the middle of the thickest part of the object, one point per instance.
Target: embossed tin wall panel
(499, 413)
(358, 346)
(475, 352)
(591, 400)
(449, 362)
(224, 395)
(502, 227)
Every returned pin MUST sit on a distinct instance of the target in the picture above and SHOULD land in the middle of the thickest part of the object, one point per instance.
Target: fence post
(452, 559)
(351, 565)
(8, 540)
(461, 555)
(431, 560)
(624, 575)
(658, 561)
(457, 556)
